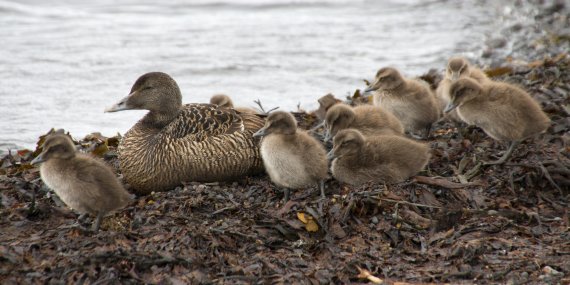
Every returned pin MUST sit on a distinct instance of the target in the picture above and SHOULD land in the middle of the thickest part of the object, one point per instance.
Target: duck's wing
(200, 121)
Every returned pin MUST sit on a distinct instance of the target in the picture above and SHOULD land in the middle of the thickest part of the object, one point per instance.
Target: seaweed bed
(457, 222)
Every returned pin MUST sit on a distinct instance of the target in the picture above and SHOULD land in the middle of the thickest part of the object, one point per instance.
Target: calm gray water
(62, 63)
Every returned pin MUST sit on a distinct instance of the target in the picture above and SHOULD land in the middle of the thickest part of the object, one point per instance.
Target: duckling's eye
(147, 88)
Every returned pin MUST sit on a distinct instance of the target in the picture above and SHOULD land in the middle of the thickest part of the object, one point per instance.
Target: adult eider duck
(174, 143)
(293, 159)
(84, 183)
(505, 112)
(410, 100)
(384, 159)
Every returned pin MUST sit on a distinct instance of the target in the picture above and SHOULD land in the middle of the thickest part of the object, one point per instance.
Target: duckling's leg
(97, 222)
(286, 193)
(321, 186)
(505, 156)
(426, 132)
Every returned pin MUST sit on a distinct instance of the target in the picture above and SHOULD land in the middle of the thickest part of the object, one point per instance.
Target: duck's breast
(65, 182)
(284, 166)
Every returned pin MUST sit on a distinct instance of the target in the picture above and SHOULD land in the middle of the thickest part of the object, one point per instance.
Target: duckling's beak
(330, 155)
(121, 105)
(449, 107)
(38, 159)
(371, 88)
(262, 132)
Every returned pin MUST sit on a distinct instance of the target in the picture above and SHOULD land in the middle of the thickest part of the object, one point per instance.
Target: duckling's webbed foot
(82, 217)
(505, 156)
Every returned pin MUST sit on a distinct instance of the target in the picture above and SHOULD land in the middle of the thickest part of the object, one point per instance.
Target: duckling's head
(338, 117)
(222, 101)
(387, 78)
(346, 142)
(278, 123)
(56, 146)
(153, 91)
(461, 91)
(457, 67)
(327, 101)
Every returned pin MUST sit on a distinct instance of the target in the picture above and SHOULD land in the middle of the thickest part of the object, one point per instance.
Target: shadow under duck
(173, 143)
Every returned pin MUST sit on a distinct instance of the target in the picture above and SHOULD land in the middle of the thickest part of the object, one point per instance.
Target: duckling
(292, 158)
(84, 183)
(504, 111)
(325, 103)
(410, 100)
(369, 120)
(225, 101)
(386, 159)
(457, 67)
(173, 143)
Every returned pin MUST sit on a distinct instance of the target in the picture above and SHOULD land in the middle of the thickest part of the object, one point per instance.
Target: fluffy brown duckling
(369, 120)
(504, 111)
(410, 100)
(292, 158)
(225, 101)
(457, 67)
(325, 103)
(384, 159)
(175, 143)
(83, 183)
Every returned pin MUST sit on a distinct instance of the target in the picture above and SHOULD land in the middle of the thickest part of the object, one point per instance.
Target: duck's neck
(160, 119)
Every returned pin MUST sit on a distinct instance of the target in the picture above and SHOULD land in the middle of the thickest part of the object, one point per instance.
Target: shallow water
(62, 63)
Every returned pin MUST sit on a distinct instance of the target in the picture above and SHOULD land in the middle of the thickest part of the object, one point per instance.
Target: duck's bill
(121, 105)
(262, 132)
(330, 155)
(450, 107)
(38, 159)
(370, 88)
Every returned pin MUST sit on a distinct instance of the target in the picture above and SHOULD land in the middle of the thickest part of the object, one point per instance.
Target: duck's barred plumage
(203, 143)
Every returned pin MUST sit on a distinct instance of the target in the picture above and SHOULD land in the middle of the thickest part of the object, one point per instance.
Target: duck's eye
(147, 88)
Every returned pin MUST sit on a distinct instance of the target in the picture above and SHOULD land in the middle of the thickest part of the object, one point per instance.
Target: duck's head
(461, 91)
(387, 78)
(278, 123)
(346, 142)
(56, 146)
(153, 91)
(327, 101)
(222, 101)
(457, 67)
(338, 117)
